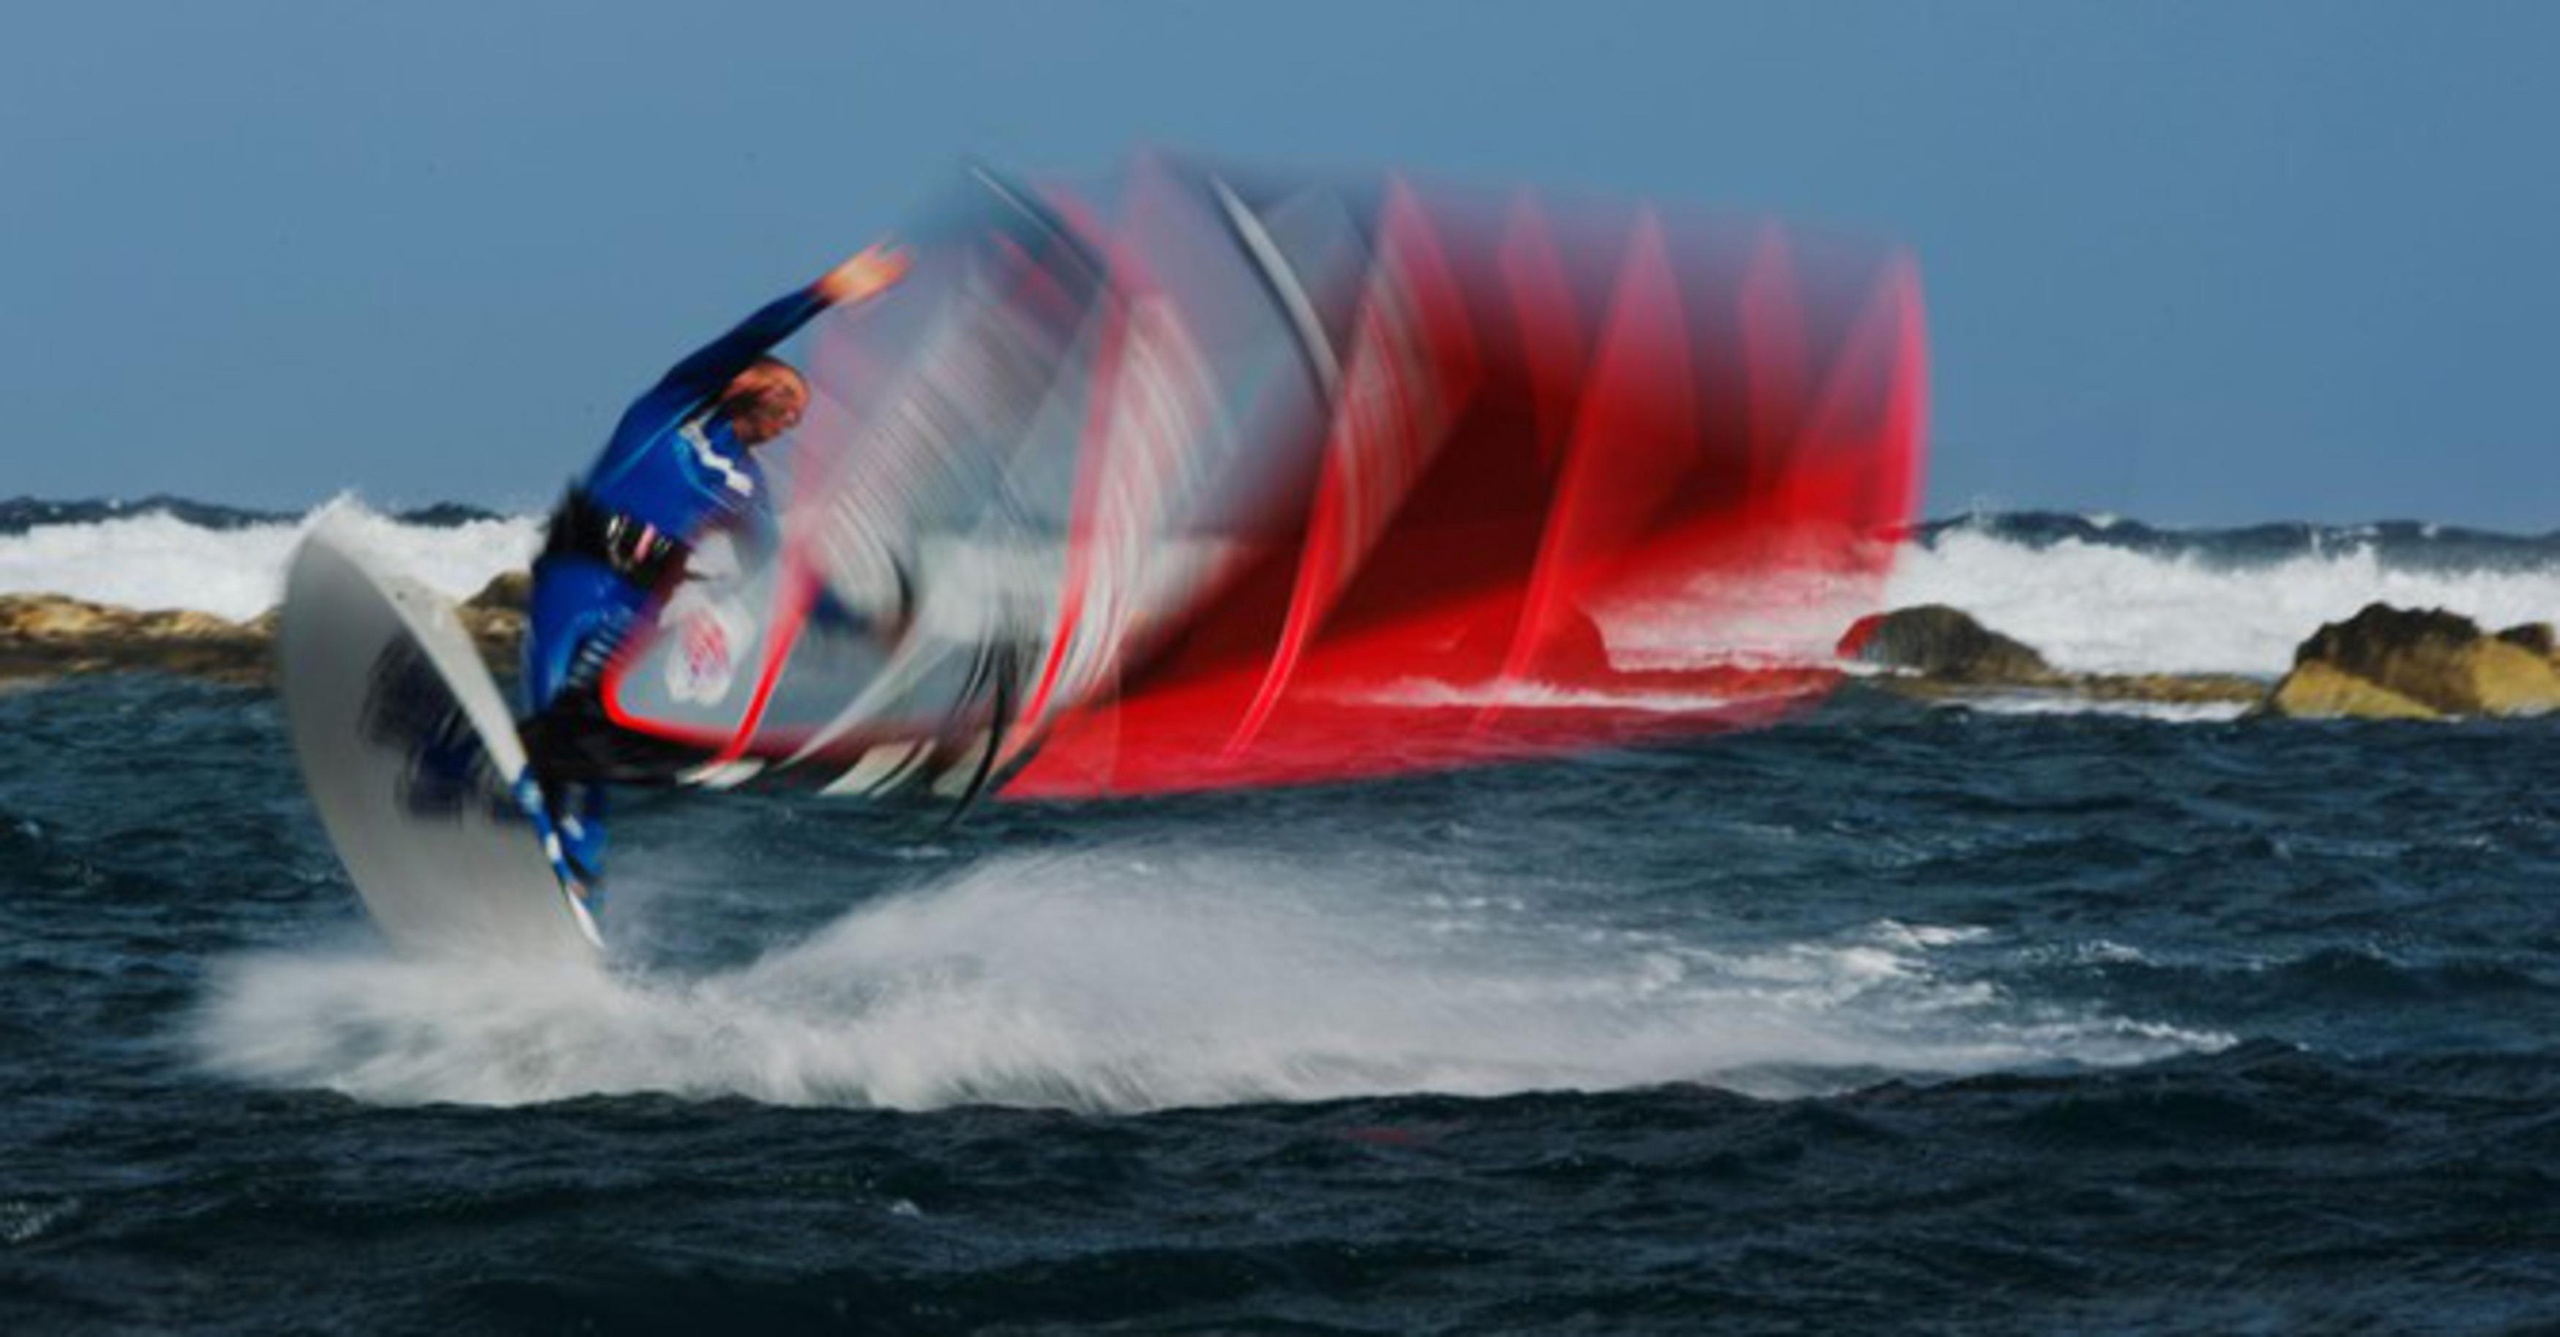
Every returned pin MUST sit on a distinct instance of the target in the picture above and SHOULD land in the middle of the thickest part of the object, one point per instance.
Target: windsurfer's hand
(874, 268)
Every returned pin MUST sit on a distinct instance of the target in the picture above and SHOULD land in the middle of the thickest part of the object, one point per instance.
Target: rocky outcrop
(2393, 663)
(495, 616)
(1936, 641)
(1941, 652)
(2319, 691)
(50, 636)
(507, 592)
(2533, 636)
(2174, 689)
(2383, 663)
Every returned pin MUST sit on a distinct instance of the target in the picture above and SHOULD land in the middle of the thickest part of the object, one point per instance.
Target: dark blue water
(1888, 1018)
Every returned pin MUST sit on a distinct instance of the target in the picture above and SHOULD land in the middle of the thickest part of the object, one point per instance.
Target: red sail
(1206, 479)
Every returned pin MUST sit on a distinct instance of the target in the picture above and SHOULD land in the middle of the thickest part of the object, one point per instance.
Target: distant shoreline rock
(48, 636)
(1946, 644)
(2393, 663)
(1944, 653)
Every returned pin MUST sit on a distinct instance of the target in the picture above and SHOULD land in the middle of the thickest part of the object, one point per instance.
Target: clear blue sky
(2194, 263)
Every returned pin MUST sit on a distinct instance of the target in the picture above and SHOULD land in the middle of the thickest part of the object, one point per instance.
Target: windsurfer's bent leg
(580, 612)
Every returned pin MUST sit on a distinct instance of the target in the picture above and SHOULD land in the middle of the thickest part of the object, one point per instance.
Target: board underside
(412, 758)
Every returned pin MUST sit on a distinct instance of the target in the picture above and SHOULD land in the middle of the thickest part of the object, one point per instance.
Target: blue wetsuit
(673, 470)
(673, 465)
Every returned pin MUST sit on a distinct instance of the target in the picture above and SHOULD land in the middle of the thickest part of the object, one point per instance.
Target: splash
(1134, 980)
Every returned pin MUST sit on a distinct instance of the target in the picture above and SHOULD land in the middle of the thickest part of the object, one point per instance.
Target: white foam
(1133, 980)
(25, 1219)
(2096, 609)
(159, 561)
(1525, 694)
(2165, 712)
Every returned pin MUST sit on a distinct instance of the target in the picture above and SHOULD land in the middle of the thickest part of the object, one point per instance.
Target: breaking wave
(231, 563)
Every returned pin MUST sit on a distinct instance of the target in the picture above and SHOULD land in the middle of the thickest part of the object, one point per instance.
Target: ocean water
(1889, 1017)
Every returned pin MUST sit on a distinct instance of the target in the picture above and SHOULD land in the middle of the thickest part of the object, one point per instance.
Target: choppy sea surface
(1889, 1017)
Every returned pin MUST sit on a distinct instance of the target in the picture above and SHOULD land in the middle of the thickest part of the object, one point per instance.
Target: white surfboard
(412, 758)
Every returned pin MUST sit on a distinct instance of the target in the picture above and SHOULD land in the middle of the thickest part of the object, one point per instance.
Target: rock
(2180, 689)
(507, 592)
(2438, 661)
(500, 635)
(1950, 656)
(2319, 690)
(56, 619)
(495, 616)
(2534, 636)
(1945, 643)
(48, 635)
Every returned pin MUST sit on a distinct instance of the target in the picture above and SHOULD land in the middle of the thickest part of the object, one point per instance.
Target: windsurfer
(681, 464)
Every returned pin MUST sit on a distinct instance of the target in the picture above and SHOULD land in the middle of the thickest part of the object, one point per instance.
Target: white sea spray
(1142, 978)
(2094, 608)
(158, 561)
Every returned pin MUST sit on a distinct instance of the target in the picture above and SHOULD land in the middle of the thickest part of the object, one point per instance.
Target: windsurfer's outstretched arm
(715, 364)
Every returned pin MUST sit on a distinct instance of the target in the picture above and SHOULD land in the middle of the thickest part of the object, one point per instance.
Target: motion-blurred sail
(1200, 478)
